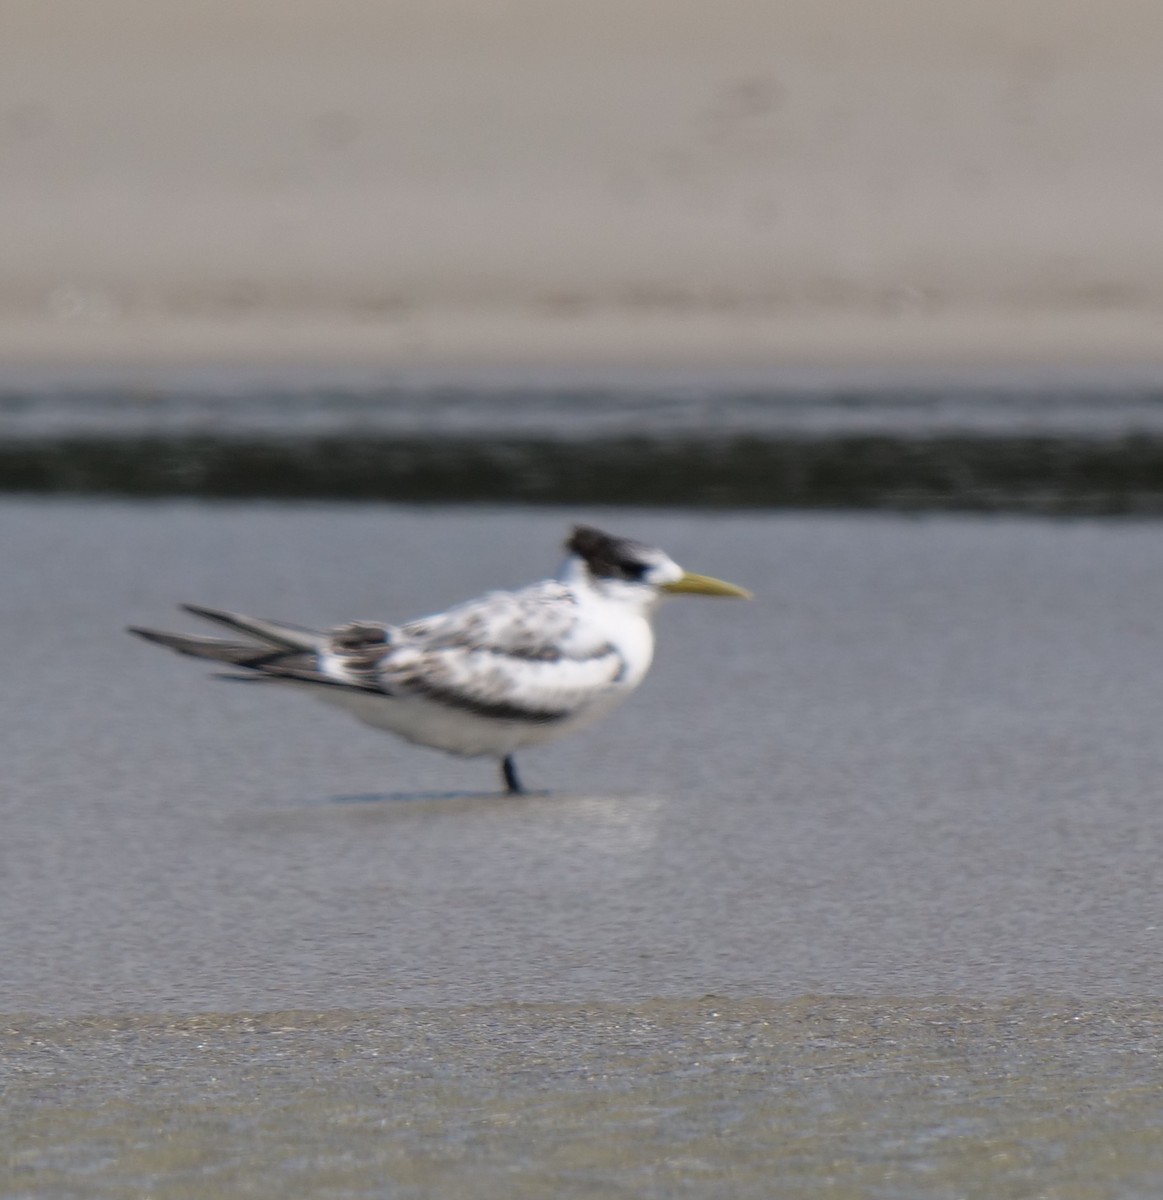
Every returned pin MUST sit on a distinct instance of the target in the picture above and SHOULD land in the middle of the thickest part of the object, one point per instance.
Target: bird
(507, 670)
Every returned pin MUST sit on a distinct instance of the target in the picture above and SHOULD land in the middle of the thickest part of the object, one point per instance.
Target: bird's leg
(509, 774)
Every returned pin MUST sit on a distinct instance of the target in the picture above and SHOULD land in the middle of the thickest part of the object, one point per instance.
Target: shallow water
(918, 779)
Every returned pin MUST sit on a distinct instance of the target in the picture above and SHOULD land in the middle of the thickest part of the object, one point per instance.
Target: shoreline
(467, 340)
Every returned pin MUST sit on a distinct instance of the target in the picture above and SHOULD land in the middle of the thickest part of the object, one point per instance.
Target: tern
(493, 675)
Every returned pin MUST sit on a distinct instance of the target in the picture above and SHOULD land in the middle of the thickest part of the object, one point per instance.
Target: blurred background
(533, 221)
(664, 181)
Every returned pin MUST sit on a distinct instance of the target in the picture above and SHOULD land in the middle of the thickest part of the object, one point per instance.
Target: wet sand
(819, 1097)
(860, 894)
(660, 182)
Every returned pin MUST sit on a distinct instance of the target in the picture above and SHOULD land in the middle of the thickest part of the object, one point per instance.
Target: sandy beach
(661, 182)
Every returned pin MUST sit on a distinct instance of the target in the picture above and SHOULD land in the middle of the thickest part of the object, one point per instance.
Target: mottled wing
(521, 656)
(493, 684)
(537, 622)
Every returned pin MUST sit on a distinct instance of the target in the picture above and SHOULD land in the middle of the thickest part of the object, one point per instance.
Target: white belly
(429, 724)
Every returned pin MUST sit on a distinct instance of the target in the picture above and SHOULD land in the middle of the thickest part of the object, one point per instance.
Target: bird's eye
(632, 570)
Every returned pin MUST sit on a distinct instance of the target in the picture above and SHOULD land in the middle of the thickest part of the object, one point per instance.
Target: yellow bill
(704, 585)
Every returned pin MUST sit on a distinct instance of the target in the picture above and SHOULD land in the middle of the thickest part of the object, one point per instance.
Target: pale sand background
(643, 181)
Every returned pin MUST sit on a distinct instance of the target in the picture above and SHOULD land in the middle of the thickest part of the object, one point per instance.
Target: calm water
(900, 818)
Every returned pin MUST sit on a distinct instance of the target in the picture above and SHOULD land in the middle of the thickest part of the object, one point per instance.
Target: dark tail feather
(276, 633)
(237, 654)
(268, 662)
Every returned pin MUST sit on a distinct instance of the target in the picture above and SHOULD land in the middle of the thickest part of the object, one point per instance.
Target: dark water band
(1029, 473)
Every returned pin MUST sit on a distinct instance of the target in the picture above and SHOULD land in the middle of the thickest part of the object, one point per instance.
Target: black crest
(607, 556)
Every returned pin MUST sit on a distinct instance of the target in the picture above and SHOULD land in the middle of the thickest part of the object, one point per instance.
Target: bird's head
(621, 569)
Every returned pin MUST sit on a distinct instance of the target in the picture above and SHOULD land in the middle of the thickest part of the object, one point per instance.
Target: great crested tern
(507, 670)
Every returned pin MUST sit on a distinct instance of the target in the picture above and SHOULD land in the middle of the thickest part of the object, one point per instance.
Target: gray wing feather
(265, 659)
(276, 650)
(277, 633)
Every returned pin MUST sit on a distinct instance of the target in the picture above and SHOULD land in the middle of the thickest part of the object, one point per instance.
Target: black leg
(509, 773)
